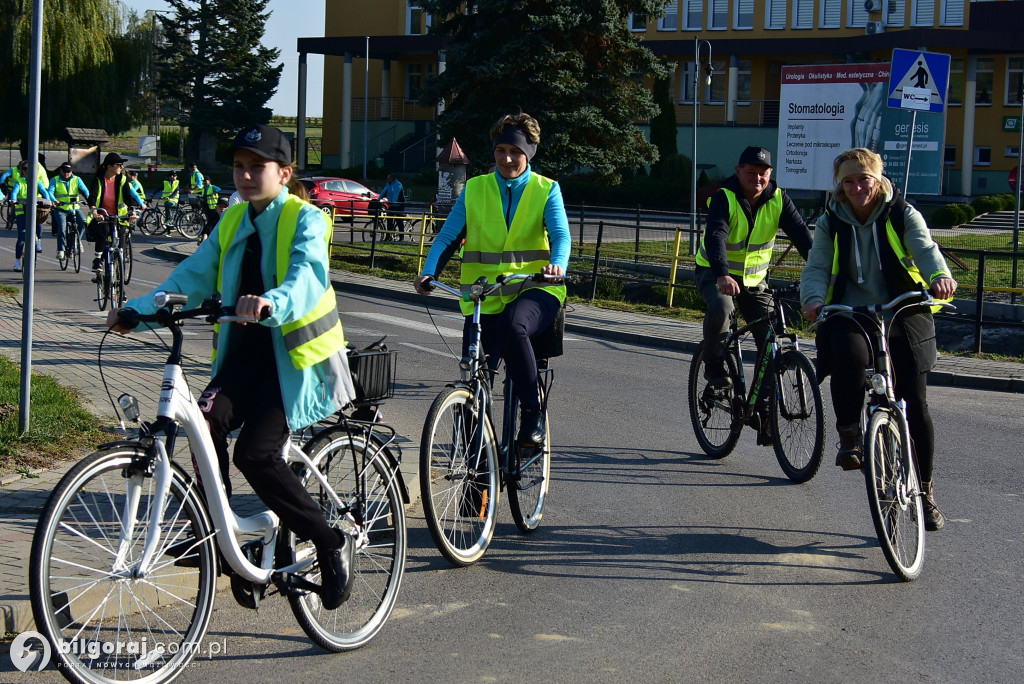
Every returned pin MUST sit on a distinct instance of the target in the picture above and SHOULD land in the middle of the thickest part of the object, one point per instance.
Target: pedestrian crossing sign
(918, 80)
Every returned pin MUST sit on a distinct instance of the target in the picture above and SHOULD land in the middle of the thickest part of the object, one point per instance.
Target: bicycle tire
(894, 495)
(147, 221)
(528, 484)
(713, 413)
(63, 261)
(129, 257)
(189, 224)
(117, 293)
(75, 247)
(380, 537)
(797, 416)
(102, 280)
(459, 495)
(81, 594)
(5, 212)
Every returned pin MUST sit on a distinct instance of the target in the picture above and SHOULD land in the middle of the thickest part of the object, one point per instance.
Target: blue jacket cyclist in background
(513, 221)
(744, 216)
(269, 254)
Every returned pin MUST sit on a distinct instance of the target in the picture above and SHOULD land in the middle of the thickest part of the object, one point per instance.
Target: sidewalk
(65, 346)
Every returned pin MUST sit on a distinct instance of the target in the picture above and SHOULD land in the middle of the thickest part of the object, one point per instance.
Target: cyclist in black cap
(111, 191)
(744, 217)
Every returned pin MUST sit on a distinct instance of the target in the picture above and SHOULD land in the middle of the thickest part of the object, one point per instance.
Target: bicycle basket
(373, 374)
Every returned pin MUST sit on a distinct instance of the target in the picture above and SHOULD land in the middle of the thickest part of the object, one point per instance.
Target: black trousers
(506, 335)
(248, 396)
(848, 353)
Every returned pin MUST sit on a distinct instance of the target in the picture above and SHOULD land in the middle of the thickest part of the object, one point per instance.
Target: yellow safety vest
(196, 182)
(122, 208)
(492, 249)
(67, 193)
(19, 208)
(317, 335)
(749, 253)
(170, 193)
(211, 197)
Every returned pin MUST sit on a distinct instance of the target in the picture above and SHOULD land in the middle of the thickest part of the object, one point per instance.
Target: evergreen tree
(663, 126)
(93, 67)
(572, 64)
(215, 75)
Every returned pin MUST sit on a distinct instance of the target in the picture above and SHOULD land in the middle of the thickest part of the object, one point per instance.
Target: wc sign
(918, 80)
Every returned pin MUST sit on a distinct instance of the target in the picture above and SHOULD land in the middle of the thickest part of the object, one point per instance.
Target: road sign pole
(910, 145)
(1016, 194)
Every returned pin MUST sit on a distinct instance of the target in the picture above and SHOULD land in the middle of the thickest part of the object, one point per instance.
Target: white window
(982, 155)
(956, 82)
(417, 21)
(693, 14)
(803, 14)
(1012, 151)
(1014, 72)
(686, 83)
(637, 21)
(743, 79)
(895, 15)
(831, 13)
(775, 14)
(858, 14)
(744, 14)
(952, 12)
(949, 155)
(416, 76)
(716, 92)
(985, 81)
(719, 14)
(923, 13)
(670, 22)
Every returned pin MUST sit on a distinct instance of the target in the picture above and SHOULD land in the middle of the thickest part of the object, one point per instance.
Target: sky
(283, 28)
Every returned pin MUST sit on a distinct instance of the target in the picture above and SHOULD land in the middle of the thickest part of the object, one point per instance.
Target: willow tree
(93, 67)
(573, 64)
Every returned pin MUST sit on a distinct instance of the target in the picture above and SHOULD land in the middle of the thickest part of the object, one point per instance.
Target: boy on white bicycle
(289, 370)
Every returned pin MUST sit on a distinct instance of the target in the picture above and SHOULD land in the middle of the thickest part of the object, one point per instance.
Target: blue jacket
(43, 191)
(84, 191)
(307, 394)
(391, 191)
(555, 221)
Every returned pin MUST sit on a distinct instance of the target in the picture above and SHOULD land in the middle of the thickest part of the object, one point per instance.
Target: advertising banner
(825, 109)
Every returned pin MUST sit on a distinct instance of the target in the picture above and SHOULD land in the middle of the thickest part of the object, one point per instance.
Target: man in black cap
(744, 216)
(109, 190)
(65, 188)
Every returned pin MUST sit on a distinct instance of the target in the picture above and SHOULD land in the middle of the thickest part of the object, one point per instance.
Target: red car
(345, 196)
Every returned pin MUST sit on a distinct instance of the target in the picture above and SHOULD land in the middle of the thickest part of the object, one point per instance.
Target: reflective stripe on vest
(170, 193)
(67, 194)
(749, 254)
(122, 208)
(19, 208)
(211, 197)
(318, 334)
(492, 249)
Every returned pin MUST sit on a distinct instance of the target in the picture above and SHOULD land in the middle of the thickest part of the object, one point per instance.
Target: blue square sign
(918, 80)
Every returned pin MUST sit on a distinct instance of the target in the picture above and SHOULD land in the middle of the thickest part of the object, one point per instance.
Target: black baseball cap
(66, 166)
(756, 155)
(113, 158)
(266, 141)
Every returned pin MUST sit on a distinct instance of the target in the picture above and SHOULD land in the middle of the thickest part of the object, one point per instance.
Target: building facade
(371, 109)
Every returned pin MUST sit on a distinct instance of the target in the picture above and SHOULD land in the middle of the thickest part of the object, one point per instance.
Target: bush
(987, 203)
(1007, 201)
(952, 215)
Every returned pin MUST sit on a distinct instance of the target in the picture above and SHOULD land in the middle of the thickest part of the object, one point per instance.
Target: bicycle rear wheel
(798, 421)
(103, 280)
(712, 411)
(82, 572)
(151, 221)
(529, 477)
(129, 257)
(63, 261)
(459, 488)
(74, 246)
(189, 224)
(117, 295)
(374, 516)
(894, 495)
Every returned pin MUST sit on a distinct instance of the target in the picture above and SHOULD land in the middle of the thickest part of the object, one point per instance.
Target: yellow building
(370, 106)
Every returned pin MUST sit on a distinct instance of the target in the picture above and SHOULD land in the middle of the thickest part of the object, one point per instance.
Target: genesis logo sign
(25, 652)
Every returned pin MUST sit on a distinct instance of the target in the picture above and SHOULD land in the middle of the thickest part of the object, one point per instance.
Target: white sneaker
(60, 253)
(17, 264)
(39, 246)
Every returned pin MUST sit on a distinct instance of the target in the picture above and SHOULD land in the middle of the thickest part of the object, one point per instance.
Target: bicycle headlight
(130, 406)
(878, 383)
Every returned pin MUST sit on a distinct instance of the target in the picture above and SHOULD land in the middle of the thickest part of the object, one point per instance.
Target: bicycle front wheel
(129, 257)
(150, 222)
(74, 246)
(894, 495)
(64, 260)
(373, 514)
(459, 486)
(117, 295)
(712, 411)
(798, 421)
(529, 478)
(102, 280)
(104, 622)
(189, 224)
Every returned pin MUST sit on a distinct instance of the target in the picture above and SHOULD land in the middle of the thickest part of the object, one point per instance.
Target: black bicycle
(463, 466)
(784, 373)
(110, 280)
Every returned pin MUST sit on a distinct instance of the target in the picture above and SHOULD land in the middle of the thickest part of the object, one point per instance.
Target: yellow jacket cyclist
(513, 221)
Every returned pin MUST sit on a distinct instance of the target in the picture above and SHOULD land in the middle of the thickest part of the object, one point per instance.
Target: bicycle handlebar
(482, 288)
(926, 300)
(211, 309)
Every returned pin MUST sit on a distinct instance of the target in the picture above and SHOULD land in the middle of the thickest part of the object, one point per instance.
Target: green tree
(573, 64)
(215, 75)
(93, 66)
(663, 126)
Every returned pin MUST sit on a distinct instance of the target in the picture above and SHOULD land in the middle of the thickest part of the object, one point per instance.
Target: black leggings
(847, 350)
(507, 335)
(241, 396)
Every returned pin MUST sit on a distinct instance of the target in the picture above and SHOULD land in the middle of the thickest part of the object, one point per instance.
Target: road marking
(403, 323)
(427, 349)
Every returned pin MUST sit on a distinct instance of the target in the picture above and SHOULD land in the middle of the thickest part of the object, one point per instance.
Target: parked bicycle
(186, 218)
(462, 464)
(110, 281)
(890, 467)
(784, 374)
(128, 547)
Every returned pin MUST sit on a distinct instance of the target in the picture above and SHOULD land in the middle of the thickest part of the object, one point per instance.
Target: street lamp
(709, 69)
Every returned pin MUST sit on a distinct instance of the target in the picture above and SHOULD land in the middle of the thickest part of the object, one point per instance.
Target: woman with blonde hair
(869, 247)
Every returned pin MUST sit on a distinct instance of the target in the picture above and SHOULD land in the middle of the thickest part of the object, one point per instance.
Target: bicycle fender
(394, 464)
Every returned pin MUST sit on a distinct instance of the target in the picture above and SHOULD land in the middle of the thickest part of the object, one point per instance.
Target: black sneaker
(531, 428)
(97, 265)
(716, 374)
(336, 574)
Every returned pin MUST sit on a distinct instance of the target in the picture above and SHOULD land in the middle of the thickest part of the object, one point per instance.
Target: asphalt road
(655, 563)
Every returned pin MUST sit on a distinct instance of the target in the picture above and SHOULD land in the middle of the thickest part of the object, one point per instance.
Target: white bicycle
(124, 562)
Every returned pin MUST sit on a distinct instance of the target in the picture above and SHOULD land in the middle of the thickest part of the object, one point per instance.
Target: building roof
(452, 154)
(85, 136)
